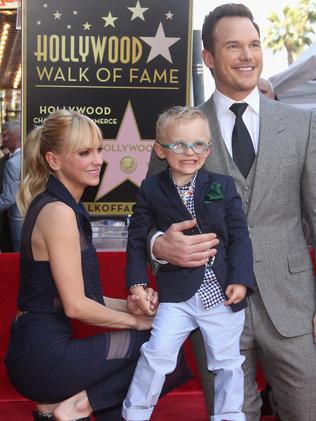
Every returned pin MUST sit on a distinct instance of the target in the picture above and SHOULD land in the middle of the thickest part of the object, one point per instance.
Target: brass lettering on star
(109, 208)
(127, 148)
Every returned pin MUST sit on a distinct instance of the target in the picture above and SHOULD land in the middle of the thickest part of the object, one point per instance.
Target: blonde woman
(69, 378)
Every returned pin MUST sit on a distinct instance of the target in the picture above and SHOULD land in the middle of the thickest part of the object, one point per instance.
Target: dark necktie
(242, 146)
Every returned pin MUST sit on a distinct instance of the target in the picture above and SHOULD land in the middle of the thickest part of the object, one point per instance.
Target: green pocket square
(215, 193)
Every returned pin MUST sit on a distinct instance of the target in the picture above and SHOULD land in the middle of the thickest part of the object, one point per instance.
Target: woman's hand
(142, 301)
(143, 322)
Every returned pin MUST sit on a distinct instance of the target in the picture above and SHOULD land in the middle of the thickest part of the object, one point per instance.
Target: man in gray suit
(278, 189)
(11, 180)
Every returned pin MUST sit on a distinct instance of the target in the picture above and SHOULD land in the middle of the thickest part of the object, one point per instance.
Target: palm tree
(292, 31)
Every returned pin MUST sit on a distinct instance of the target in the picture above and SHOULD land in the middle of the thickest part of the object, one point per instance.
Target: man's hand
(185, 250)
(235, 293)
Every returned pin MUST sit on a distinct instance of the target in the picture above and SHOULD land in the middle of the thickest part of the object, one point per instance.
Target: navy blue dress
(44, 362)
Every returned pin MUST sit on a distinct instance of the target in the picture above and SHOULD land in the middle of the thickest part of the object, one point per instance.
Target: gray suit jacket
(284, 187)
(10, 186)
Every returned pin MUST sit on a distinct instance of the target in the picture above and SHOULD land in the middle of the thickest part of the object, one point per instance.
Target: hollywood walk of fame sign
(121, 63)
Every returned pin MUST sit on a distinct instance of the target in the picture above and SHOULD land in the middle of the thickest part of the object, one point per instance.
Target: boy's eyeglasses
(181, 147)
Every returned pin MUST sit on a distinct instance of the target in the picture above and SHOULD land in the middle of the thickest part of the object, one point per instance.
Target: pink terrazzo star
(127, 156)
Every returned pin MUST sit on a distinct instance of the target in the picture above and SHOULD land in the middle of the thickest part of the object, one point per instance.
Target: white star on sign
(45, 5)
(160, 44)
(57, 15)
(86, 26)
(109, 20)
(75, 12)
(138, 11)
(169, 15)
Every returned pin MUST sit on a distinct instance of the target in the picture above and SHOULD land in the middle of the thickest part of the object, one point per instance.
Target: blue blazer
(159, 204)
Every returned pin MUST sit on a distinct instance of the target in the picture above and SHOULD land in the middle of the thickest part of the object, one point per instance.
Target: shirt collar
(190, 183)
(223, 102)
(11, 154)
(59, 190)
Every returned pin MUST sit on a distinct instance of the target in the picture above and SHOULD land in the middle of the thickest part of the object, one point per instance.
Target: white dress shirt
(226, 117)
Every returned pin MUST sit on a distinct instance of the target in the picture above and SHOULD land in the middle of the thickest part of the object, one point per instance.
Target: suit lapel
(220, 160)
(272, 139)
(272, 143)
(201, 184)
(174, 199)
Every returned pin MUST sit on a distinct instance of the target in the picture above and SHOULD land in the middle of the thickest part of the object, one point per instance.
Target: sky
(273, 63)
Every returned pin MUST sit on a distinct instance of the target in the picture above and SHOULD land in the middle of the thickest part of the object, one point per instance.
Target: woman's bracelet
(139, 285)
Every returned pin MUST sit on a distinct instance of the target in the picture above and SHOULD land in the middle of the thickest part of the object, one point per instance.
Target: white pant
(221, 329)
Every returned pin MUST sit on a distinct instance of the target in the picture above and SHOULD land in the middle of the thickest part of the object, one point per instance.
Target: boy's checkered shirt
(210, 291)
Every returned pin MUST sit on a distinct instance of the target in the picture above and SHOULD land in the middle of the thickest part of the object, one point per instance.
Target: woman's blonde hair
(64, 130)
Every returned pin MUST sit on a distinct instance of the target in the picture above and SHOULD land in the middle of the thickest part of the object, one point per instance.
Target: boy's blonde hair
(175, 113)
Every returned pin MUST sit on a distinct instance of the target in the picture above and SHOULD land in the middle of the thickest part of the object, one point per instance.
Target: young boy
(211, 297)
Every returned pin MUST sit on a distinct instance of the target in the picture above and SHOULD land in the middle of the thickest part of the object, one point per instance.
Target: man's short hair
(225, 10)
